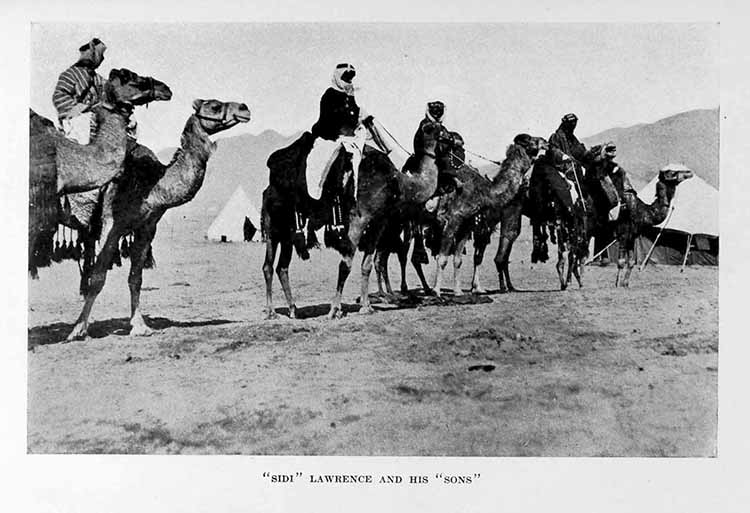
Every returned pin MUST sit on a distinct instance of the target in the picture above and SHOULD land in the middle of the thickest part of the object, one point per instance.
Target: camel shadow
(57, 332)
(312, 311)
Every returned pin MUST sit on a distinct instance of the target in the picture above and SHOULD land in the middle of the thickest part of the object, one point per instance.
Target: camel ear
(197, 104)
(114, 74)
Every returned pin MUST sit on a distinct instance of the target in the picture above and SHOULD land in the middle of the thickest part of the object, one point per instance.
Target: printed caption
(371, 479)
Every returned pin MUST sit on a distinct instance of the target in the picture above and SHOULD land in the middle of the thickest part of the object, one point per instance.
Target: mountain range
(691, 138)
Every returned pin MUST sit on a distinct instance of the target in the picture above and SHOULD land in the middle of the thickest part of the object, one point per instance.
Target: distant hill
(691, 138)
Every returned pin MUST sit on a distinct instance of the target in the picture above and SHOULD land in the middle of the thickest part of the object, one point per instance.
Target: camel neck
(658, 210)
(507, 181)
(184, 175)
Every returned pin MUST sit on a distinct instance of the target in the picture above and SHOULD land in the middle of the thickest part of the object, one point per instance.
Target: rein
(222, 120)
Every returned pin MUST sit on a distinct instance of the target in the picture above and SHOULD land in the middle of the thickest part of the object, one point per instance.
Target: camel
(457, 211)
(382, 191)
(58, 165)
(639, 215)
(136, 203)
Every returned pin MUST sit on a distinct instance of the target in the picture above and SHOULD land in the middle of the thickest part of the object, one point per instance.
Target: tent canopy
(695, 203)
(229, 224)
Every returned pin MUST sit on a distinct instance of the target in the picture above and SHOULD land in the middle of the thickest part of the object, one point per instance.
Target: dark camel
(58, 165)
(136, 203)
(382, 190)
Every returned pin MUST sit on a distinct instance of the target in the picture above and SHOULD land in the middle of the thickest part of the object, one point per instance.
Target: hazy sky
(497, 79)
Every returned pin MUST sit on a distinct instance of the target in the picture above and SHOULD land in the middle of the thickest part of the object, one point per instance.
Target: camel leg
(366, 308)
(268, 275)
(571, 265)
(561, 262)
(142, 239)
(630, 265)
(403, 258)
(282, 270)
(348, 249)
(578, 270)
(621, 258)
(476, 286)
(95, 286)
(442, 263)
(458, 258)
(381, 270)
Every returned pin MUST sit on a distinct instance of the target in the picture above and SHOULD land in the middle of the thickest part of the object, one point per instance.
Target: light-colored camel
(640, 215)
(136, 203)
(58, 165)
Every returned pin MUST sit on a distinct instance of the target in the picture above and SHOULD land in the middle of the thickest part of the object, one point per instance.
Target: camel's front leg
(578, 270)
(571, 265)
(271, 246)
(142, 239)
(381, 271)
(417, 254)
(561, 264)
(95, 285)
(282, 270)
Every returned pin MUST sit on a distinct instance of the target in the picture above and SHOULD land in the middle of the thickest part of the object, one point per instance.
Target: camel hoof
(271, 315)
(292, 312)
(478, 290)
(335, 313)
(429, 291)
(563, 286)
(141, 330)
(367, 310)
(77, 334)
(404, 290)
(458, 292)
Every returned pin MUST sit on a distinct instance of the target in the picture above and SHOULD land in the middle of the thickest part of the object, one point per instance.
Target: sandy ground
(590, 372)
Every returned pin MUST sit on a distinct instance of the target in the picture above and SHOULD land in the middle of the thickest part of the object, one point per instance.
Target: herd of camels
(114, 187)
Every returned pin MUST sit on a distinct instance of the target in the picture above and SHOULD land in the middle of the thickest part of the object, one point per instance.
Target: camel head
(215, 116)
(674, 174)
(126, 88)
(533, 146)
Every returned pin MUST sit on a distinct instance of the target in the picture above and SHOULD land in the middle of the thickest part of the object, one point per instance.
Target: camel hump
(291, 155)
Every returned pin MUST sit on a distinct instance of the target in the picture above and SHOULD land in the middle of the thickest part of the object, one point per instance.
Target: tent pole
(602, 251)
(687, 252)
(651, 249)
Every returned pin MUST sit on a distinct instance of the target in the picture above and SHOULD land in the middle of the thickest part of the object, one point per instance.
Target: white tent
(229, 224)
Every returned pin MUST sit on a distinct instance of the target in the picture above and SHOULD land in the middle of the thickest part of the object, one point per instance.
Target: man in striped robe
(78, 88)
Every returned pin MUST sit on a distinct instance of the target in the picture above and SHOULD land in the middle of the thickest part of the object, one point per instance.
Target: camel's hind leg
(381, 272)
(271, 246)
(630, 264)
(458, 258)
(417, 253)
(561, 261)
(282, 270)
(142, 239)
(348, 249)
(368, 252)
(95, 285)
(476, 285)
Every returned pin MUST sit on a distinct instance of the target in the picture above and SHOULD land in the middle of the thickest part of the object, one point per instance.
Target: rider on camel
(338, 125)
(78, 88)
(452, 159)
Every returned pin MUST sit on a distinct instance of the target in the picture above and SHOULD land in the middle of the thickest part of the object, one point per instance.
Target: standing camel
(381, 191)
(136, 203)
(458, 211)
(639, 215)
(58, 165)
